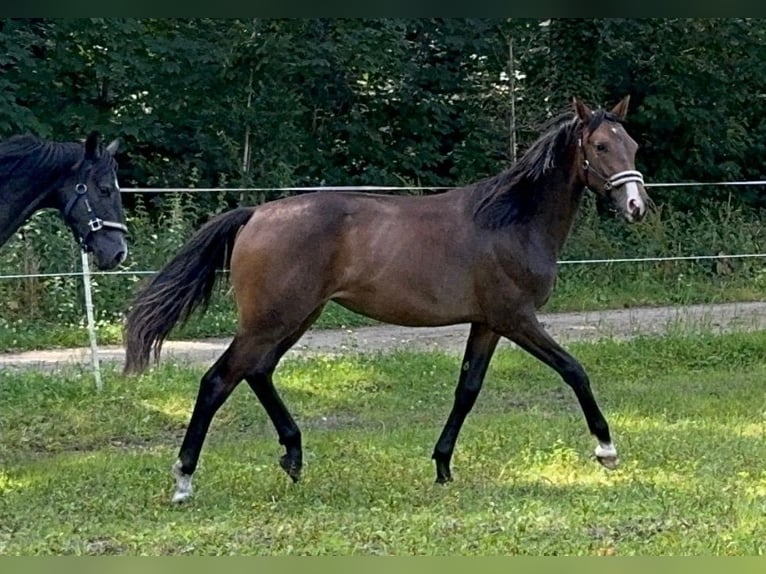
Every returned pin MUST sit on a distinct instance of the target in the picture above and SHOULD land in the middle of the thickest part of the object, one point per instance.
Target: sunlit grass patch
(89, 473)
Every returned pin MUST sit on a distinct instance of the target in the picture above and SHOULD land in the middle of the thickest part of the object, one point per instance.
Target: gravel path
(564, 327)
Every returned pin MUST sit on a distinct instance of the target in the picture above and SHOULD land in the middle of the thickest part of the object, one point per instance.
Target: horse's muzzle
(630, 200)
(109, 248)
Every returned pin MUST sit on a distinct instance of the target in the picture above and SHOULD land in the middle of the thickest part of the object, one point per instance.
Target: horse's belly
(410, 307)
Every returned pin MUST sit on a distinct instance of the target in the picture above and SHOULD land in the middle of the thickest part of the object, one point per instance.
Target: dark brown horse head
(89, 199)
(608, 159)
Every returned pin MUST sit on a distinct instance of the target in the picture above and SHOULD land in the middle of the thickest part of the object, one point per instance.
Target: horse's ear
(621, 109)
(583, 112)
(91, 145)
(111, 149)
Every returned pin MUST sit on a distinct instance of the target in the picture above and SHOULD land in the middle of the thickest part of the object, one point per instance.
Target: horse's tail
(182, 285)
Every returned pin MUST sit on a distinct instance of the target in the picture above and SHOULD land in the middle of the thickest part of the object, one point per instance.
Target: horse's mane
(39, 161)
(511, 196)
(35, 157)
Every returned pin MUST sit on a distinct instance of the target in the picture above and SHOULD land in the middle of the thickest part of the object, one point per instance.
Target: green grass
(87, 473)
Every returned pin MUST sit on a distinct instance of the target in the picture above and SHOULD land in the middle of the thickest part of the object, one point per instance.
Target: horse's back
(331, 216)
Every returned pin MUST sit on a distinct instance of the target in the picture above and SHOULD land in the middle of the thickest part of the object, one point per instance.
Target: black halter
(95, 223)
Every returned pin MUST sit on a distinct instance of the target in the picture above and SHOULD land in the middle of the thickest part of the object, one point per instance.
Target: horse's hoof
(183, 484)
(291, 467)
(606, 454)
(180, 496)
(443, 473)
(610, 462)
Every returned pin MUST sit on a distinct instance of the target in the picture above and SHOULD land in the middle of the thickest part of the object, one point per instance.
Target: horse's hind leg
(287, 430)
(260, 380)
(215, 387)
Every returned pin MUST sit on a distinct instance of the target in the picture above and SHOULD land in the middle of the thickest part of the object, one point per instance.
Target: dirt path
(565, 327)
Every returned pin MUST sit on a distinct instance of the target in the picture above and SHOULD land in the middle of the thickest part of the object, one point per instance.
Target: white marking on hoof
(606, 450)
(183, 484)
(607, 455)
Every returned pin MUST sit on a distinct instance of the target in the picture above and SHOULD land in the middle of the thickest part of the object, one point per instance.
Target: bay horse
(78, 179)
(483, 254)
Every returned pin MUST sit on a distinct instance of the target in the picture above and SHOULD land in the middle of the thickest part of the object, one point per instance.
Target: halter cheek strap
(95, 223)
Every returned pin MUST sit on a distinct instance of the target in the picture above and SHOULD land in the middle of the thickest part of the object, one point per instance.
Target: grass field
(88, 473)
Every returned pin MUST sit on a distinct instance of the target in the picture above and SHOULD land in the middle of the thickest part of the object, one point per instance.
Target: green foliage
(694, 123)
(718, 229)
(88, 473)
(287, 102)
(291, 102)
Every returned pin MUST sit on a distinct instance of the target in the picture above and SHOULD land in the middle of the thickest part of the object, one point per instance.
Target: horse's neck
(18, 202)
(559, 206)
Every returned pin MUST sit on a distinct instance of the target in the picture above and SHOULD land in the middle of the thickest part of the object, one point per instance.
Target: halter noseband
(610, 182)
(95, 223)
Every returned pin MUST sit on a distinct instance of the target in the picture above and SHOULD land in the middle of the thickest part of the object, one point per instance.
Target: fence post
(91, 321)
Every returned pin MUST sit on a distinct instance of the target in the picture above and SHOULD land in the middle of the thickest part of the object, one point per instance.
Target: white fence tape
(560, 262)
(375, 188)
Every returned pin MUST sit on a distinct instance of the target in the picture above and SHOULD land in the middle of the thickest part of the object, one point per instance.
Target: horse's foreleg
(478, 352)
(528, 334)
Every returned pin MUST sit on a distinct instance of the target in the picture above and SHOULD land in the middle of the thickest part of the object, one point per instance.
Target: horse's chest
(518, 280)
(538, 279)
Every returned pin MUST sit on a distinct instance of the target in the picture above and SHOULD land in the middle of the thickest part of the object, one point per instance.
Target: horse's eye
(600, 147)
